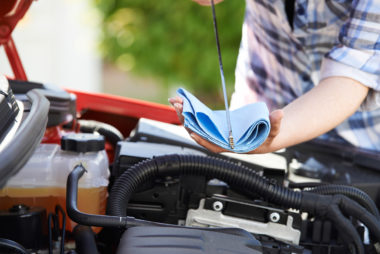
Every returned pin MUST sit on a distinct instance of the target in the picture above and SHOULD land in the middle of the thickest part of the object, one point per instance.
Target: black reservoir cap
(82, 142)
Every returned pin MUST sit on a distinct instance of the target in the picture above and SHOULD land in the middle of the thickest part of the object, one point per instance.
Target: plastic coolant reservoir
(42, 181)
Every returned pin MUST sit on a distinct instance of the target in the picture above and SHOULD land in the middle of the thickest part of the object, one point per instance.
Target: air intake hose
(210, 167)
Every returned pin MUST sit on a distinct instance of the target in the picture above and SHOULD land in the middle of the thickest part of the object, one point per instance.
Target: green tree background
(173, 41)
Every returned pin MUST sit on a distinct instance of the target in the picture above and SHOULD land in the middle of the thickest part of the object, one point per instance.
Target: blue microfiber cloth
(250, 124)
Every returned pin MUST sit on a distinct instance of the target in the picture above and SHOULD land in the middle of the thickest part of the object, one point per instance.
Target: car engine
(80, 185)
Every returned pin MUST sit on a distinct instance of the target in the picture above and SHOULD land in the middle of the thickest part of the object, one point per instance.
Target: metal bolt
(274, 217)
(217, 206)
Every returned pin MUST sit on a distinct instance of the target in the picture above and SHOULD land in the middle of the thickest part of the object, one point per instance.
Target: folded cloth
(250, 124)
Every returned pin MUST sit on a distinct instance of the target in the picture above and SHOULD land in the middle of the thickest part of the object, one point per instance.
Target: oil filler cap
(82, 142)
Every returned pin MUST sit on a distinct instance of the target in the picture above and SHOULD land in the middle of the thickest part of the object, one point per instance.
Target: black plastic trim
(62, 103)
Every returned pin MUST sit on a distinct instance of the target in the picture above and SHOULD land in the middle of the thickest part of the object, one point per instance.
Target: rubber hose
(361, 214)
(173, 165)
(59, 209)
(358, 195)
(112, 134)
(50, 234)
(83, 218)
(84, 240)
(348, 231)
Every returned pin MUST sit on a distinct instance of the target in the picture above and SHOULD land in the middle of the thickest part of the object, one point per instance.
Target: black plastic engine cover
(176, 240)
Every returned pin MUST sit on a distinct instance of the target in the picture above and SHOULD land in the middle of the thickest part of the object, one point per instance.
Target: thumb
(275, 119)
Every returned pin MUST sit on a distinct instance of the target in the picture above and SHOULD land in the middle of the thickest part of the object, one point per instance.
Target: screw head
(274, 217)
(217, 206)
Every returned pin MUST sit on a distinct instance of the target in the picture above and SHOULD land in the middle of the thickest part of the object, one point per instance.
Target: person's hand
(207, 2)
(275, 120)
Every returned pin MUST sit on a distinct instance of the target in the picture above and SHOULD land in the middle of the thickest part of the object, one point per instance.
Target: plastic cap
(82, 142)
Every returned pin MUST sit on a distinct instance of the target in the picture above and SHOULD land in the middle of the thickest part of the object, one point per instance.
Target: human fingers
(179, 108)
(175, 99)
(207, 2)
(177, 103)
(275, 119)
(209, 146)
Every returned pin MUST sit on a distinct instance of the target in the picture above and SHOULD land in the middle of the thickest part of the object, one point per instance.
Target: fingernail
(193, 136)
(177, 105)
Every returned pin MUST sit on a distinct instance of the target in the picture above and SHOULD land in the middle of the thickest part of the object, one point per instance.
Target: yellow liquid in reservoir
(90, 200)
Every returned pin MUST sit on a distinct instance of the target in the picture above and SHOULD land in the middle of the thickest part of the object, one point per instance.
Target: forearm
(319, 110)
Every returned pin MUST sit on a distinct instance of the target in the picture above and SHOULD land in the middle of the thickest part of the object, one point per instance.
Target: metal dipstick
(231, 139)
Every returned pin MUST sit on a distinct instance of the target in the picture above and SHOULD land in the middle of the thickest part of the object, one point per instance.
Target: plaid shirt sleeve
(357, 53)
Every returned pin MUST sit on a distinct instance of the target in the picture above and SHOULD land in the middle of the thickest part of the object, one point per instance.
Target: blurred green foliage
(172, 40)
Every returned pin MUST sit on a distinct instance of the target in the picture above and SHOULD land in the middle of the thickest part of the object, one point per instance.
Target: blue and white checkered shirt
(277, 64)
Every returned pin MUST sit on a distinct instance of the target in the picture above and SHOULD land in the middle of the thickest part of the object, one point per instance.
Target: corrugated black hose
(174, 165)
(336, 208)
(353, 193)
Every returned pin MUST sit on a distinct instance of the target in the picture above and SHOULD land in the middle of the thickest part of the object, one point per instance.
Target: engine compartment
(100, 182)
(92, 173)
